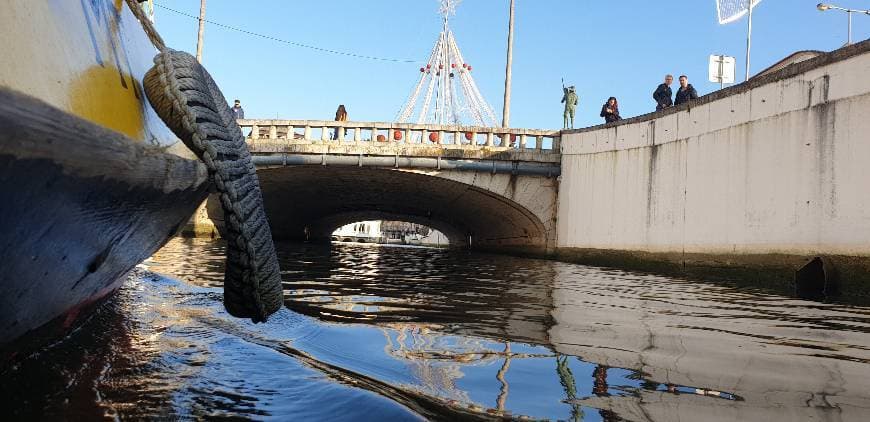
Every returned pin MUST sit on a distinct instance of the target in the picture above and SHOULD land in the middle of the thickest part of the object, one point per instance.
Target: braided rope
(147, 25)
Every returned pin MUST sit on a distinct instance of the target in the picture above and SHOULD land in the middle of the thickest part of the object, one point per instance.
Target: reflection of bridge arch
(497, 210)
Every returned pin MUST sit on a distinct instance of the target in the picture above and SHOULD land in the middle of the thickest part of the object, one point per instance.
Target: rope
(293, 43)
(147, 25)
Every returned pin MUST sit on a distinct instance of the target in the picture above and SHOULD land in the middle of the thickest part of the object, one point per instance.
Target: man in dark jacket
(238, 111)
(686, 92)
(663, 94)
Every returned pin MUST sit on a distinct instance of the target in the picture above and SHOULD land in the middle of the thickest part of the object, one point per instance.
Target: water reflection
(451, 335)
(638, 344)
(509, 336)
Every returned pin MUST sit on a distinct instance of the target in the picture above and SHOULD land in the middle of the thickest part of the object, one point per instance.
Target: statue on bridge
(570, 99)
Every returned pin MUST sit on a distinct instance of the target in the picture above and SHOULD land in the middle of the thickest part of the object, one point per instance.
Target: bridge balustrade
(305, 132)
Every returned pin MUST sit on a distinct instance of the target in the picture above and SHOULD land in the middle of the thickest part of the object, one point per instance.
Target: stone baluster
(339, 134)
(407, 138)
(255, 132)
(307, 134)
(523, 140)
(324, 134)
(357, 138)
(490, 139)
(539, 142)
(273, 132)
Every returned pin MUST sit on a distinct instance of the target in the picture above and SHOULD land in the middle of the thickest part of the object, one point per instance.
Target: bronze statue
(570, 99)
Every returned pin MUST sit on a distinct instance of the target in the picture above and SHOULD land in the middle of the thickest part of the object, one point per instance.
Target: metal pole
(749, 40)
(849, 39)
(201, 30)
(506, 116)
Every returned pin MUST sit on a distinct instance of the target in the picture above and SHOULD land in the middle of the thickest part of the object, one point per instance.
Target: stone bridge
(490, 188)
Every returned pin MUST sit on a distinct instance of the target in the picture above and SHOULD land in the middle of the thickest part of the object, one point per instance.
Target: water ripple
(374, 333)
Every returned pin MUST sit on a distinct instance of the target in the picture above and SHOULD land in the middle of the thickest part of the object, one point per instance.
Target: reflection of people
(238, 111)
(570, 99)
(599, 381)
(610, 110)
(599, 388)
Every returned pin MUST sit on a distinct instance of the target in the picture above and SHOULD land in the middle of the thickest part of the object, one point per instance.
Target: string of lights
(292, 43)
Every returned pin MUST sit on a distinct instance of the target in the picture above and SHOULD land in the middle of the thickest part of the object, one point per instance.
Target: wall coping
(787, 72)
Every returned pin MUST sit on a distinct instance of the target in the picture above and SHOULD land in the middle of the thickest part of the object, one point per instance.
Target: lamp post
(201, 30)
(825, 7)
(506, 111)
(749, 40)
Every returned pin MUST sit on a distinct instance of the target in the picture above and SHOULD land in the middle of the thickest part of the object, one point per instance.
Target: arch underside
(319, 199)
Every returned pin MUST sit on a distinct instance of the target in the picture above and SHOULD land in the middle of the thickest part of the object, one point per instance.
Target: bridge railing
(390, 134)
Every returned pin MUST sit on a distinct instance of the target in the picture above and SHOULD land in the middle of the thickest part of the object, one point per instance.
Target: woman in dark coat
(340, 116)
(610, 110)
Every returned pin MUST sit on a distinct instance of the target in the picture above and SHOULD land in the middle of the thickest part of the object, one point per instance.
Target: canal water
(399, 333)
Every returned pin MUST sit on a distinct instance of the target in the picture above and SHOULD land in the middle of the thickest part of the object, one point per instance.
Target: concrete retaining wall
(778, 167)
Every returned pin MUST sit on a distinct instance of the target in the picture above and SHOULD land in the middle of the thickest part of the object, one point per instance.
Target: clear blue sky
(618, 48)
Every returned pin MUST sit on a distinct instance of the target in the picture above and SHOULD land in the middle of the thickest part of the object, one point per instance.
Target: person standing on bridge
(686, 92)
(238, 111)
(663, 94)
(610, 110)
(340, 116)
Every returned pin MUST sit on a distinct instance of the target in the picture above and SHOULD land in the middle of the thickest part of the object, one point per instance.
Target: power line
(293, 43)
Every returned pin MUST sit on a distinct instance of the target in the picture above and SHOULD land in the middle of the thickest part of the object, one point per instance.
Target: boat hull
(91, 180)
(81, 206)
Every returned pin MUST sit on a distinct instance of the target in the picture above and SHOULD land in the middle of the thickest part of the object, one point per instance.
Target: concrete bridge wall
(765, 173)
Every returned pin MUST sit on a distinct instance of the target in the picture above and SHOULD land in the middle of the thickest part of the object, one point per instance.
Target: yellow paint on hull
(87, 57)
(93, 95)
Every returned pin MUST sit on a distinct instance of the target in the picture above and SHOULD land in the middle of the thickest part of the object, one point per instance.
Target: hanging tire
(188, 100)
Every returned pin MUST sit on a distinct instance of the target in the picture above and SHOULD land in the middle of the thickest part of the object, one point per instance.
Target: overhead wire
(292, 43)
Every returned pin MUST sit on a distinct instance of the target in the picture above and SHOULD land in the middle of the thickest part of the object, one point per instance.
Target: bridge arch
(312, 201)
(322, 228)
